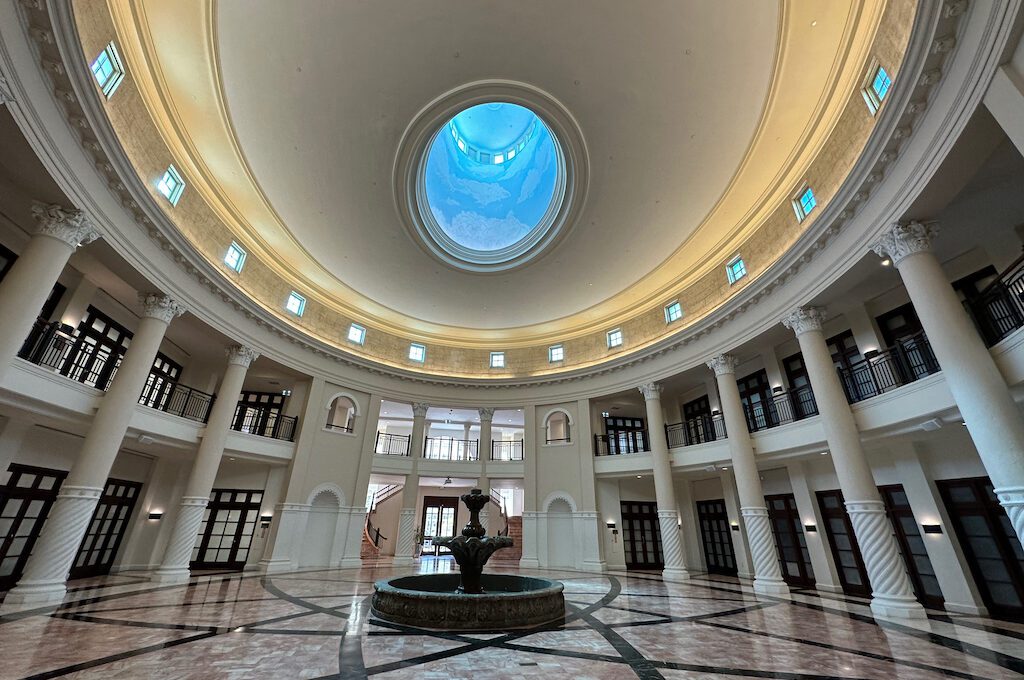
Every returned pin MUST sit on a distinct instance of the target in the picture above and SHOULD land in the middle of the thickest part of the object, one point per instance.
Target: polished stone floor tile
(316, 624)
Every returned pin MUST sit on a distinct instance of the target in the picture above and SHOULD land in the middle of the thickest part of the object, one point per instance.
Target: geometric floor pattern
(316, 624)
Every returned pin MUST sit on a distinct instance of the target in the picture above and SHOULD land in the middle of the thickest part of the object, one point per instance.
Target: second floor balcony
(448, 448)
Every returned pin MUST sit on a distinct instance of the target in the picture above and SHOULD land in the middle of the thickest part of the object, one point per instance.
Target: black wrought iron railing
(391, 444)
(338, 428)
(999, 309)
(558, 440)
(179, 400)
(697, 430)
(382, 494)
(447, 448)
(910, 359)
(783, 407)
(503, 511)
(501, 450)
(632, 441)
(264, 422)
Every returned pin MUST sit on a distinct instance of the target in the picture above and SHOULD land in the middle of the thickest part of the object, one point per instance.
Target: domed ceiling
(673, 130)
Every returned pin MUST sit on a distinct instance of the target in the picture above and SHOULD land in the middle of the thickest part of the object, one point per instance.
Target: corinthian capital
(723, 364)
(240, 355)
(651, 390)
(804, 319)
(901, 240)
(70, 226)
(419, 409)
(486, 414)
(159, 306)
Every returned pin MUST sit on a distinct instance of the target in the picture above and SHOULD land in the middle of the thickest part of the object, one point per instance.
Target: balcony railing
(695, 431)
(999, 309)
(392, 444)
(53, 345)
(910, 359)
(338, 428)
(633, 441)
(447, 448)
(507, 450)
(264, 423)
(783, 407)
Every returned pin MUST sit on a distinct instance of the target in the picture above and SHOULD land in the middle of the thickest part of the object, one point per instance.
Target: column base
(893, 608)
(590, 565)
(529, 563)
(39, 593)
(273, 566)
(350, 563)
(766, 587)
(675, 575)
(171, 576)
(402, 561)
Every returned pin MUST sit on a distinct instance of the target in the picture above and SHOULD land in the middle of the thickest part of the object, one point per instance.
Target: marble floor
(316, 624)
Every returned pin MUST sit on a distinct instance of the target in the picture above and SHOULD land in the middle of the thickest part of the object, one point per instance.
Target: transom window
(296, 304)
(876, 88)
(556, 353)
(171, 185)
(804, 203)
(235, 257)
(356, 334)
(615, 338)
(673, 312)
(736, 269)
(108, 70)
(417, 352)
(497, 360)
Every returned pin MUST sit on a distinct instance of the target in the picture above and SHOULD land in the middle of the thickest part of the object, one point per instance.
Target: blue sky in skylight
(490, 175)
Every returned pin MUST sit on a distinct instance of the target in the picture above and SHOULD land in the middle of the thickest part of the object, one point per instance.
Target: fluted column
(405, 547)
(767, 575)
(58, 543)
(664, 490)
(992, 417)
(174, 567)
(891, 591)
(27, 285)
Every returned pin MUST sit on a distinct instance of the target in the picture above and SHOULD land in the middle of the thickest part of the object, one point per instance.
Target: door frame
(863, 590)
(107, 541)
(440, 502)
(791, 516)
(703, 512)
(232, 564)
(651, 514)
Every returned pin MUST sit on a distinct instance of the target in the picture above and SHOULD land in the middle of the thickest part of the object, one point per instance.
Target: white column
(529, 557)
(54, 552)
(31, 277)
(992, 417)
(765, 555)
(891, 591)
(174, 567)
(357, 513)
(484, 482)
(405, 546)
(354, 538)
(664, 489)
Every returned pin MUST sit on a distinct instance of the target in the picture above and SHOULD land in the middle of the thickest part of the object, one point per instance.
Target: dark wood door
(716, 537)
(756, 396)
(626, 435)
(225, 535)
(989, 542)
(25, 501)
(853, 576)
(440, 520)
(789, 538)
(915, 555)
(107, 529)
(641, 535)
(799, 387)
(697, 421)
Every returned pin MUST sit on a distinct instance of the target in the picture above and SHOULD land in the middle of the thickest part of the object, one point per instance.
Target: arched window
(556, 428)
(341, 414)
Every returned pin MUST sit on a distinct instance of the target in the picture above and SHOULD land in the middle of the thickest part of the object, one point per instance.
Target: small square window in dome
(417, 352)
(805, 202)
(497, 360)
(881, 83)
(556, 353)
(876, 88)
(356, 334)
(615, 338)
(108, 70)
(736, 269)
(235, 257)
(673, 312)
(296, 304)
(171, 185)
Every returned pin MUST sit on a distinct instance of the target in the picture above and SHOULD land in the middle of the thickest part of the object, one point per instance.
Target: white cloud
(474, 230)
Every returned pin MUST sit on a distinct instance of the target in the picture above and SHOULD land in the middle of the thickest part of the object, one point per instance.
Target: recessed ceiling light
(814, 23)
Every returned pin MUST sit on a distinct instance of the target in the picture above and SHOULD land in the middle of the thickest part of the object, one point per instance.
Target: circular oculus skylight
(491, 186)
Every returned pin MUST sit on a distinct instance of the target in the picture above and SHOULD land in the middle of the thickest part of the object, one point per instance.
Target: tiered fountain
(469, 600)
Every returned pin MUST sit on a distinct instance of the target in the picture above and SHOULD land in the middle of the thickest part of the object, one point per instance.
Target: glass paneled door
(715, 536)
(107, 529)
(908, 535)
(641, 535)
(225, 535)
(853, 575)
(25, 500)
(989, 542)
(440, 517)
(789, 538)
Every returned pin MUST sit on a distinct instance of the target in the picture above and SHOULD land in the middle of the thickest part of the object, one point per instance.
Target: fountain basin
(431, 601)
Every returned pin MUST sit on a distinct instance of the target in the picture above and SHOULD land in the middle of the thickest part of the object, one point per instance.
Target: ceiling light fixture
(886, 262)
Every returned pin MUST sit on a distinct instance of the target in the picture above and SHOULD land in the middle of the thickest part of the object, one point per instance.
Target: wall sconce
(810, 528)
(735, 526)
(777, 389)
(932, 528)
(156, 515)
(610, 525)
(265, 520)
(615, 532)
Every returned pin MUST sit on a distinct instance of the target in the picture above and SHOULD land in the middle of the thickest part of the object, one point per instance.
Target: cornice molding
(51, 23)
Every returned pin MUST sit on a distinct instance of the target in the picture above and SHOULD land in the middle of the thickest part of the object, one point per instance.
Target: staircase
(515, 532)
(372, 540)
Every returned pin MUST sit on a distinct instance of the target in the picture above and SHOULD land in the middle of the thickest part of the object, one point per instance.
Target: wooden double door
(641, 535)
(789, 539)
(440, 520)
(228, 528)
(716, 537)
